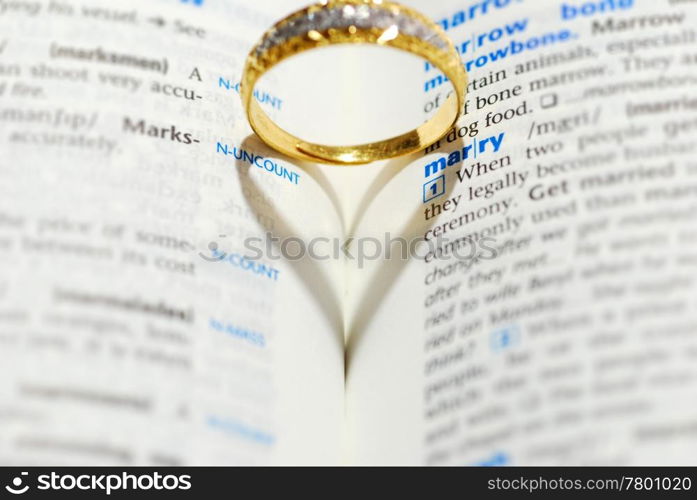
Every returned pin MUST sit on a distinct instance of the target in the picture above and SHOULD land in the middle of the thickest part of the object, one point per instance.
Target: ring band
(354, 21)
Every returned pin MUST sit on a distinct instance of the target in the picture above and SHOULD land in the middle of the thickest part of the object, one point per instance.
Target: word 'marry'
(477, 147)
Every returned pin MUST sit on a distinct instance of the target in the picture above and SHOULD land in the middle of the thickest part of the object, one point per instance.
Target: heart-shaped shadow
(313, 276)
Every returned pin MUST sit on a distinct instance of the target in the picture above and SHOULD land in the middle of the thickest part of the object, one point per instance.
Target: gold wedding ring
(354, 21)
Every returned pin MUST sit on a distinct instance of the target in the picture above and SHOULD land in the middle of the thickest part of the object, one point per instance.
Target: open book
(173, 291)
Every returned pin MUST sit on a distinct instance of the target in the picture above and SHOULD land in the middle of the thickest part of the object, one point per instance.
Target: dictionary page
(548, 316)
(133, 328)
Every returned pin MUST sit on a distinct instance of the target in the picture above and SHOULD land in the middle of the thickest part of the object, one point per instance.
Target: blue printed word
(479, 40)
(497, 459)
(488, 145)
(588, 9)
(258, 161)
(240, 429)
(244, 263)
(514, 47)
(477, 9)
(236, 331)
(262, 97)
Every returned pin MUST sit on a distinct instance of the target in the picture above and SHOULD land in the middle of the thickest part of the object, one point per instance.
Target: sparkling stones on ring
(343, 17)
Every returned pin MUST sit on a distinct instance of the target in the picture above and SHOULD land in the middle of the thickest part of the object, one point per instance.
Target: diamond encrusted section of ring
(344, 16)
